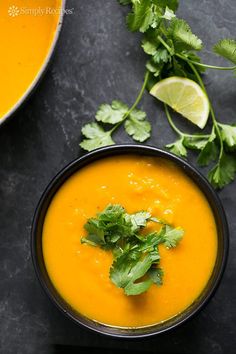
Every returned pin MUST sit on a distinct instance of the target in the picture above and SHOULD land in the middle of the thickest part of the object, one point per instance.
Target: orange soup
(80, 272)
(27, 30)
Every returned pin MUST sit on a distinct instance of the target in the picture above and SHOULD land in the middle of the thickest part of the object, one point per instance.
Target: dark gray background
(97, 60)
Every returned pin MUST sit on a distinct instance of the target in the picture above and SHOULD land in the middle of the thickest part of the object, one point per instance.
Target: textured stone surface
(97, 60)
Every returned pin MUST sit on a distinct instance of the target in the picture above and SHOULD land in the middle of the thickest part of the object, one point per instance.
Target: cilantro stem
(138, 99)
(202, 65)
(173, 126)
(163, 29)
(140, 95)
(214, 121)
(165, 45)
(217, 129)
(115, 127)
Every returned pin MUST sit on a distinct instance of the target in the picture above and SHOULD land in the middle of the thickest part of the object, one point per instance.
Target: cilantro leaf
(124, 271)
(224, 172)
(136, 273)
(161, 56)
(156, 274)
(178, 147)
(195, 142)
(154, 68)
(183, 38)
(96, 137)
(159, 53)
(114, 223)
(227, 49)
(95, 233)
(169, 14)
(139, 219)
(137, 125)
(120, 270)
(209, 151)
(112, 212)
(228, 133)
(141, 267)
(92, 130)
(171, 236)
(113, 113)
(141, 16)
(138, 288)
(150, 242)
(149, 47)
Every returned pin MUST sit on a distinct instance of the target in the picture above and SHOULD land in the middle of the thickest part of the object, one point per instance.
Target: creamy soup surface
(80, 272)
(27, 30)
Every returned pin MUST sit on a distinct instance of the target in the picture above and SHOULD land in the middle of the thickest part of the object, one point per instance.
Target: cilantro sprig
(115, 114)
(172, 49)
(136, 255)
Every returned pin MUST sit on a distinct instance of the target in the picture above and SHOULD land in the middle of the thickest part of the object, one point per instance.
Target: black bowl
(204, 186)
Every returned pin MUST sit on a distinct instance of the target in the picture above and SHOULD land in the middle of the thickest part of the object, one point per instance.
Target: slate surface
(97, 60)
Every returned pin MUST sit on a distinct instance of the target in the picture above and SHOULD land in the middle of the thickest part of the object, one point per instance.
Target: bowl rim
(129, 149)
(41, 72)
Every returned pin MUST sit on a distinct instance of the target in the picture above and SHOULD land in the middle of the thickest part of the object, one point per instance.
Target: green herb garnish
(171, 46)
(136, 256)
(136, 123)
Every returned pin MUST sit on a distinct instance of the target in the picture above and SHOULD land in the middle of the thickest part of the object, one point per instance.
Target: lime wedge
(185, 97)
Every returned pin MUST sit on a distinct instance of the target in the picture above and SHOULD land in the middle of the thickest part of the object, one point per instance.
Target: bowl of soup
(29, 31)
(77, 276)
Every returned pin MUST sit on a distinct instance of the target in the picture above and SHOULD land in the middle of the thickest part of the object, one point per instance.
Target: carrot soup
(80, 272)
(27, 30)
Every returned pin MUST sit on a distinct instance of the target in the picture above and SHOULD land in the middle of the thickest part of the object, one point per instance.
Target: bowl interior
(41, 270)
(42, 70)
